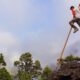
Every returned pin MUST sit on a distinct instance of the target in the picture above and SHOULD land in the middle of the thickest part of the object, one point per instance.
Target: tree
(16, 63)
(26, 67)
(2, 62)
(46, 73)
(37, 65)
(71, 58)
(26, 62)
(24, 76)
(4, 74)
(37, 68)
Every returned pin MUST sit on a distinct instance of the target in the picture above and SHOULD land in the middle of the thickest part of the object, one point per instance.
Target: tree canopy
(26, 67)
(4, 74)
(46, 73)
(71, 58)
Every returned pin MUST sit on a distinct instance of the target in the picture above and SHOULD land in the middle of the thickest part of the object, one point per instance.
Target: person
(76, 18)
(79, 7)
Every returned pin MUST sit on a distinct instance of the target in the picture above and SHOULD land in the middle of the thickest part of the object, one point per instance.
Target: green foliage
(26, 67)
(37, 68)
(26, 57)
(16, 63)
(4, 75)
(2, 62)
(37, 64)
(46, 73)
(71, 58)
(26, 61)
(24, 76)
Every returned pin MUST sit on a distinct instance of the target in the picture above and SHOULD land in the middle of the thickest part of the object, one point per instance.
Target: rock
(69, 70)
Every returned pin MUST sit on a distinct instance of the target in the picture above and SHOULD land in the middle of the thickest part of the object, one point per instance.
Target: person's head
(72, 7)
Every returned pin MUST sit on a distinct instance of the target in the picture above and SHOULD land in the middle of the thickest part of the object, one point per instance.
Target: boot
(75, 30)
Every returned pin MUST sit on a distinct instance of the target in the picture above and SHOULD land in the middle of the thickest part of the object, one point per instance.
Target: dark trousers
(74, 20)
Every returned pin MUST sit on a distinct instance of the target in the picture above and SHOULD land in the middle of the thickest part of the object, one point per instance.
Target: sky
(36, 26)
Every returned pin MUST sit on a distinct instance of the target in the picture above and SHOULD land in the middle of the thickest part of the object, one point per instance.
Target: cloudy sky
(36, 26)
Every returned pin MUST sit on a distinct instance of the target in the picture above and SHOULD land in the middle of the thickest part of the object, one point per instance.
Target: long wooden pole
(62, 52)
(65, 43)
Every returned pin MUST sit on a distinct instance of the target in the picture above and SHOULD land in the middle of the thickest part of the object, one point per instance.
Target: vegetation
(2, 61)
(46, 73)
(71, 58)
(28, 69)
(4, 74)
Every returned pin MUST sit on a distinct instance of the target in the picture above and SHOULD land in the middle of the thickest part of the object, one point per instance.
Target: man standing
(76, 18)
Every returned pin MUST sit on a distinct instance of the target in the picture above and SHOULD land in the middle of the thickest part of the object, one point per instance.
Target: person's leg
(72, 25)
(78, 21)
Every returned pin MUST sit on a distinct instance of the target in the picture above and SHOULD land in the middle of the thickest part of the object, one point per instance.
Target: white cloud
(7, 39)
(9, 45)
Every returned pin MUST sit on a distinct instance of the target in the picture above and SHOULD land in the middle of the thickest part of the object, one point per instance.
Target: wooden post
(60, 59)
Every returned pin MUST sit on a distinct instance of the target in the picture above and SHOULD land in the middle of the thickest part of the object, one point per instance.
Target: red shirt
(73, 12)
